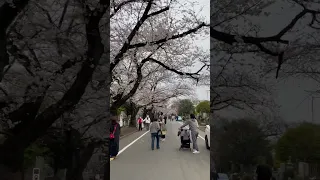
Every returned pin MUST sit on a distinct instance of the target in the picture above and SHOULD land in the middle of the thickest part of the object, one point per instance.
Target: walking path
(136, 160)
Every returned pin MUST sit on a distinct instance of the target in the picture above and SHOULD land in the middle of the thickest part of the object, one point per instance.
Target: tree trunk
(81, 160)
(149, 112)
(134, 111)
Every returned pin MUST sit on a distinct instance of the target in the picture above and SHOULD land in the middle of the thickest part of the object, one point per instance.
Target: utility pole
(312, 116)
(312, 107)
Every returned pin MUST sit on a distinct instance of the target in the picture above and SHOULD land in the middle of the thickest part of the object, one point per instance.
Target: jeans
(147, 126)
(154, 136)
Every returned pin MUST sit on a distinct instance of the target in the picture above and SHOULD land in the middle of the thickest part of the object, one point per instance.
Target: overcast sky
(290, 94)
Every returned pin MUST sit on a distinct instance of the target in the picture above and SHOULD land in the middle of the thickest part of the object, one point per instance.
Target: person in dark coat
(114, 136)
(264, 172)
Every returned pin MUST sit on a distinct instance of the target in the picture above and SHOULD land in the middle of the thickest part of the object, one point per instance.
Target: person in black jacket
(264, 172)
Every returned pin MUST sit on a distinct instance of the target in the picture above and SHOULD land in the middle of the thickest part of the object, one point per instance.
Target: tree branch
(176, 71)
(258, 41)
(119, 6)
(177, 36)
(66, 5)
(134, 31)
(126, 46)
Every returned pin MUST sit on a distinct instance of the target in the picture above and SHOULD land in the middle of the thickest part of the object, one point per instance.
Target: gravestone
(303, 170)
(282, 169)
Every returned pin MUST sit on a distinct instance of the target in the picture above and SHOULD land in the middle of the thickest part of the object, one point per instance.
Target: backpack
(112, 134)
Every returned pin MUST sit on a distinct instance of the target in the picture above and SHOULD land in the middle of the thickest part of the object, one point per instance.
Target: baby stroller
(184, 138)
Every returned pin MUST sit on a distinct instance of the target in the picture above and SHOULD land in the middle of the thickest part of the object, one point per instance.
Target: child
(154, 129)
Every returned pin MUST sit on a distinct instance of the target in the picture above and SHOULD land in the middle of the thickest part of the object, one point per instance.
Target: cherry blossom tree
(148, 37)
(53, 52)
(253, 44)
(249, 55)
(237, 29)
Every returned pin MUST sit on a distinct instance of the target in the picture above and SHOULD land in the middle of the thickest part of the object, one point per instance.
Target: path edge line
(130, 144)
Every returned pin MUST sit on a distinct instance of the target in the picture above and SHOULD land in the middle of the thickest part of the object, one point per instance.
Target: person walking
(165, 119)
(193, 126)
(161, 117)
(160, 125)
(114, 137)
(147, 122)
(140, 120)
(163, 131)
(154, 130)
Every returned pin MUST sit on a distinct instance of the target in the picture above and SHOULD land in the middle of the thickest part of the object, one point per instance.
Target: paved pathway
(137, 161)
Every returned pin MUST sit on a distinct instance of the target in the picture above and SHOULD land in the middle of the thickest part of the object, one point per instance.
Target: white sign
(36, 174)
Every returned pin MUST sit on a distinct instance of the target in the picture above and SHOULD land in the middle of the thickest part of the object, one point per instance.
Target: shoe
(195, 152)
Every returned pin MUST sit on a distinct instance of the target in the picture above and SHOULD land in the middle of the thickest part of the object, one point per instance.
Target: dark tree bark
(81, 159)
(132, 109)
(148, 111)
(7, 15)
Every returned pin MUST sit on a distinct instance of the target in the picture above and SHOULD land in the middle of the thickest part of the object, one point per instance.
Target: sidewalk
(202, 128)
(125, 131)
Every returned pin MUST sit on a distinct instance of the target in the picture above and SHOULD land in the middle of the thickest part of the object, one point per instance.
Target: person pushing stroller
(184, 134)
(193, 126)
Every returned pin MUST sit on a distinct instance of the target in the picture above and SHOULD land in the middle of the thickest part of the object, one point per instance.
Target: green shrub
(32, 152)
(300, 143)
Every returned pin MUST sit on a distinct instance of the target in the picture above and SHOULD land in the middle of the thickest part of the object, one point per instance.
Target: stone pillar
(40, 164)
